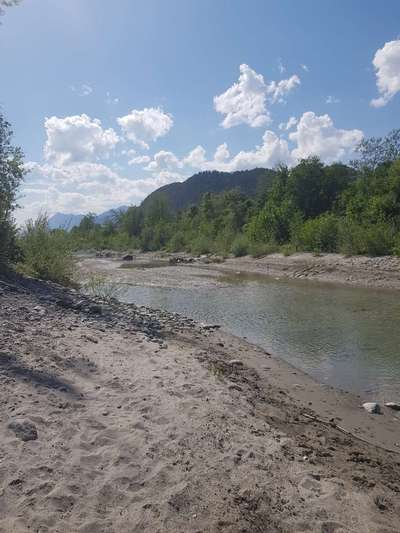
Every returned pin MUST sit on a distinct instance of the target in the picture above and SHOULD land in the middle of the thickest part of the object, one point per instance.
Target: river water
(345, 337)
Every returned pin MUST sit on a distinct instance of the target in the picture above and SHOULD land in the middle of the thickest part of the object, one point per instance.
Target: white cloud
(196, 158)
(387, 69)
(289, 124)
(221, 153)
(139, 160)
(146, 125)
(82, 90)
(281, 66)
(278, 90)
(332, 100)
(83, 187)
(316, 135)
(77, 138)
(246, 101)
(305, 68)
(163, 160)
(111, 99)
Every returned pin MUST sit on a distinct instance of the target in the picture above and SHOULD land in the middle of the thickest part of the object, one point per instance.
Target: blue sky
(141, 93)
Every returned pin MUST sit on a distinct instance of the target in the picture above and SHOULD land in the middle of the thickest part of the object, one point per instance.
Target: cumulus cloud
(278, 90)
(316, 135)
(145, 125)
(77, 138)
(83, 187)
(246, 101)
(387, 70)
(289, 124)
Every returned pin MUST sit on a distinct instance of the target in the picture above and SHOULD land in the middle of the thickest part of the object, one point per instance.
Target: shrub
(46, 254)
(240, 246)
(372, 239)
(177, 242)
(201, 245)
(319, 234)
(98, 285)
(260, 249)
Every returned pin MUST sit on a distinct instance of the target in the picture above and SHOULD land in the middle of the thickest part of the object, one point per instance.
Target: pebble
(235, 362)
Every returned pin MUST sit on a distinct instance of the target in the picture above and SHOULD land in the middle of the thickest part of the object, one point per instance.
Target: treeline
(351, 209)
(348, 208)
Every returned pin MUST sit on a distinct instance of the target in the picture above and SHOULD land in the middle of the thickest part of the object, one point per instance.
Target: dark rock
(24, 429)
(127, 257)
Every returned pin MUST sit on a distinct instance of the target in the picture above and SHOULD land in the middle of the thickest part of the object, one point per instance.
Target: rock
(24, 429)
(235, 362)
(393, 405)
(372, 407)
(95, 309)
(210, 326)
(127, 257)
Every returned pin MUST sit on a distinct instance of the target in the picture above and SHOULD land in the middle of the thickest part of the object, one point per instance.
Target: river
(342, 336)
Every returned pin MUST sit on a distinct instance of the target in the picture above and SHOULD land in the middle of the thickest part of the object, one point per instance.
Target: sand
(145, 424)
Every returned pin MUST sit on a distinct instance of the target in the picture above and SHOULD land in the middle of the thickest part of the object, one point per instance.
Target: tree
(11, 175)
(377, 151)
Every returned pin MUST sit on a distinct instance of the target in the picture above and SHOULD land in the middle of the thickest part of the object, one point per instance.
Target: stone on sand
(24, 429)
(372, 408)
(393, 405)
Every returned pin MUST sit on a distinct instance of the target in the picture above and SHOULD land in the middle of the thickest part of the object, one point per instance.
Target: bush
(177, 242)
(373, 239)
(260, 249)
(319, 234)
(201, 245)
(240, 246)
(46, 254)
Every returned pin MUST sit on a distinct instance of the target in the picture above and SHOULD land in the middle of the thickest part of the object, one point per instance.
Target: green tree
(11, 175)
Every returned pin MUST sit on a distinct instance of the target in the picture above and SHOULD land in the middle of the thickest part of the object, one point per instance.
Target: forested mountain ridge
(181, 195)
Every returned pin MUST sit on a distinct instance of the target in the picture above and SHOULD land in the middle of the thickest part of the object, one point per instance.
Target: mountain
(183, 194)
(64, 221)
(68, 221)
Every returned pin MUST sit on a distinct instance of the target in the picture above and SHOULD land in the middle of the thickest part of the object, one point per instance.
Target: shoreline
(148, 421)
(381, 273)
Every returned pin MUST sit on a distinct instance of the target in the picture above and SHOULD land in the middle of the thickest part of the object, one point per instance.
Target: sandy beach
(122, 419)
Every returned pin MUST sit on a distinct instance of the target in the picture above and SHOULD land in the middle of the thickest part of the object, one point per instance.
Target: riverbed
(347, 337)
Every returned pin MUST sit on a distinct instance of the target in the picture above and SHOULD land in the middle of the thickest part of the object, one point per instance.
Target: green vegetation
(351, 209)
(11, 175)
(46, 254)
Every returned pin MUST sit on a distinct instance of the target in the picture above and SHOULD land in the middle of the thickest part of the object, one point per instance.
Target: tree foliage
(11, 175)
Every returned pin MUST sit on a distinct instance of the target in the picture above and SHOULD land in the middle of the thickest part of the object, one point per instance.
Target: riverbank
(356, 271)
(142, 420)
